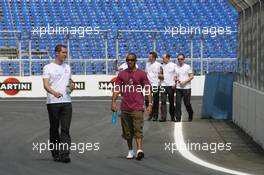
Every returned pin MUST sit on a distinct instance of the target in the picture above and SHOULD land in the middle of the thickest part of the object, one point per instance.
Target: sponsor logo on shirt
(66, 71)
(131, 81)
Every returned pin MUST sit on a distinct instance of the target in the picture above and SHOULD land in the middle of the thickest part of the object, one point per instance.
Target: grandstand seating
(113, 15)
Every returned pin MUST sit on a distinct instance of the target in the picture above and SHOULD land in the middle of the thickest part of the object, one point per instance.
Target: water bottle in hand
(68, 88)
(114, 117)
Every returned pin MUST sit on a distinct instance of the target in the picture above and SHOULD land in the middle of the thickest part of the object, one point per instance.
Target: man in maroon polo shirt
(131, 83)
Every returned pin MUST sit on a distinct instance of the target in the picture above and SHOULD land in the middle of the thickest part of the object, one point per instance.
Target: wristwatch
(150, 104)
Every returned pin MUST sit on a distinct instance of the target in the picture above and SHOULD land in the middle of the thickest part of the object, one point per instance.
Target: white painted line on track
(182, 148)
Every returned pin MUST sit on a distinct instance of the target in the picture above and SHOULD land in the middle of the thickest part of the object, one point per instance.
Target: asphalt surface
(25, 121)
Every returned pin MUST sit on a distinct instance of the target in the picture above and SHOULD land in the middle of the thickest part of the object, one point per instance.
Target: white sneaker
(130, 155)
(140, 154)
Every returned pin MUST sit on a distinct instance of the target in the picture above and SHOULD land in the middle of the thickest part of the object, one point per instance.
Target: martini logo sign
(12, 86)
(107, 85)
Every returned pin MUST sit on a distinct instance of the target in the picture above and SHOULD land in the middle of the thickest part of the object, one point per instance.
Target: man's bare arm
(182, 83)
(149, 95)
(114, 98)
(190, 78)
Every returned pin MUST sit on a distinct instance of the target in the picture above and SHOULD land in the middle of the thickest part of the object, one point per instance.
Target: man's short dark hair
(181, 54)
(167, 55)
(154, 54)
(132, 54)
(59, 46)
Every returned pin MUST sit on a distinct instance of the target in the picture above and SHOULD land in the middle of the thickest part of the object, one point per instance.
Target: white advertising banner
(85, 86)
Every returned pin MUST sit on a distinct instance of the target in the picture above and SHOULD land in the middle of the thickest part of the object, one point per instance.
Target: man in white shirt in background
(122, 66)
(183, 78)
(58, 84)
(153, 69)
(168, 87)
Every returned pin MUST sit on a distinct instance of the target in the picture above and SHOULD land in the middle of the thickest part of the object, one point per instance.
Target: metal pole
(207, 67)
(243, 49)
(253, 58)
(117, 51)
(85, 64)
(259, 44)
(241, 73)
(30, 57)
(106, 54)
(68, 48)
(192, 53)
(154, 43)
(201, 51)
(20, 58)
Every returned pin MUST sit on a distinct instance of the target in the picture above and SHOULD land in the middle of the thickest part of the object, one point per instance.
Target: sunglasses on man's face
(132, 60)
(180, 59)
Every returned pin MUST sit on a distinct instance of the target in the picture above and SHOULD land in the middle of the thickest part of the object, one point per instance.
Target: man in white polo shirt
(153, 69)
(168, 88)
(124, 66)
(183, 78)
(58, 84)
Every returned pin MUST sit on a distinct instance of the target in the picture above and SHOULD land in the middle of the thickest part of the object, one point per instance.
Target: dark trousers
(167, 91)
(155, 108)
(186, 95)
(60, 115)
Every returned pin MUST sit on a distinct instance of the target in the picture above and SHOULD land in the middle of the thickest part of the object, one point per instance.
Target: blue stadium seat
(116, 15)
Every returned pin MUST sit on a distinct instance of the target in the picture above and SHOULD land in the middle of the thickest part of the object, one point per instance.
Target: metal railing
(20, 67)
(26, 67)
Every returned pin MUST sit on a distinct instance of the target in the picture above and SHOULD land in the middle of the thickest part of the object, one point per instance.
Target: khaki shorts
(132, 124)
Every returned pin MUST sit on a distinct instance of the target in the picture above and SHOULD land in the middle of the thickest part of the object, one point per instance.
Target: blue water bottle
(114, 117)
